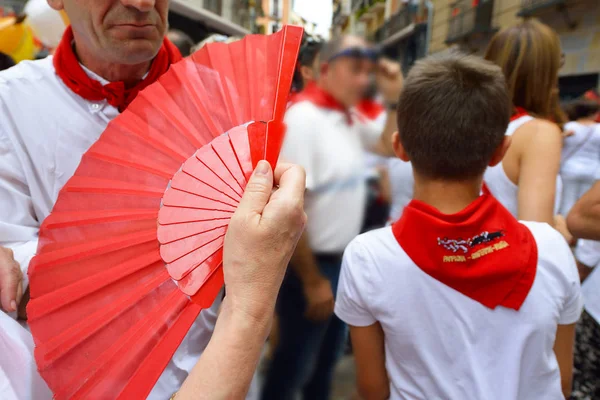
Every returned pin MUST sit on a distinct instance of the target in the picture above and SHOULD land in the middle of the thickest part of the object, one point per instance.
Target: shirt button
(95, 106)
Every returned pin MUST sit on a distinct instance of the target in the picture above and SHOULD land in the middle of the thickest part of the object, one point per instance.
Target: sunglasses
(357, 53)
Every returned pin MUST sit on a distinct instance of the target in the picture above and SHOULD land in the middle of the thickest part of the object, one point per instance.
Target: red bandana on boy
(319, 97)
(72, 74)
(483, 251)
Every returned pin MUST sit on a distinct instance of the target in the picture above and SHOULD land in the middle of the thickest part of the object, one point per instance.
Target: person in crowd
(6, 61)
(583, 220)
(586, 372)
(324, 138)
(53, 110)
(307, 67)
(581, 152)
(260, 240)
(458, 299)
(181, 40)
(527, 180)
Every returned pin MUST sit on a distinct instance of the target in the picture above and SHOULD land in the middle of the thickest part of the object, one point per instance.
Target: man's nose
(141, 5)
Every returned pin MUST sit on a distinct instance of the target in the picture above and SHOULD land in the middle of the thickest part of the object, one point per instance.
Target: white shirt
(19, 378)
(331, 152)
(505, 190)
(442, 345)
(44, 130)
(581, 151)
(588, 253)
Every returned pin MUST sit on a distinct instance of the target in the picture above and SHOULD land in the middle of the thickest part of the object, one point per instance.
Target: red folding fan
(113, 293)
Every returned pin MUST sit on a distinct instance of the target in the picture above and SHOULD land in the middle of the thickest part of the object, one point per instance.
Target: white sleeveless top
(503, 189)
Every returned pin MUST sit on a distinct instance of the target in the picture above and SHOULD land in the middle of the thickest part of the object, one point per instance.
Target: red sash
(69, 70)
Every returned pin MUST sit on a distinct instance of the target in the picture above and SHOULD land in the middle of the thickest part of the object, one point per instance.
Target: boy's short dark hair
(452, 115)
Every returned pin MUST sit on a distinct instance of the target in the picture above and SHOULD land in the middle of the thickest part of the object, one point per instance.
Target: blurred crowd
(350, 120)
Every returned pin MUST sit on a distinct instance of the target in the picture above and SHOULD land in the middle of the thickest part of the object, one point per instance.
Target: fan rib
(184, 181)
(62, 219)
(72, 336)
(180, 198)
(222, 148)
(138, 387)
(212, 162)
(92, 248)
(86, 184)
(161, 170)
(197, 277)
(178, 215)
(182, 266)
(66, 295)
(151, 136)
(82, 385)
(171, 233)
(180, 122)
(208, 292)
(181, 247)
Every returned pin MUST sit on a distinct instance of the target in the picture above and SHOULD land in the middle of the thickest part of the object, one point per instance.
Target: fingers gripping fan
(113, 293)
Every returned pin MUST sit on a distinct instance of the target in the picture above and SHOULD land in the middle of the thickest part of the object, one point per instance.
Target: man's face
(349, 77)
(120, 31)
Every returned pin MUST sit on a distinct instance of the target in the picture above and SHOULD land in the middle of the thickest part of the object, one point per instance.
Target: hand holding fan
(105, 312)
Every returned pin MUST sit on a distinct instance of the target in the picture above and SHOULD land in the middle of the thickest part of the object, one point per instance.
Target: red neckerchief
(370, 108)
(483, 251)
(519, 112)
(319, 97)
(72, 74)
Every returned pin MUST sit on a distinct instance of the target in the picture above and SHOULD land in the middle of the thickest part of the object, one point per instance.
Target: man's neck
(129, 74)
(448, 197)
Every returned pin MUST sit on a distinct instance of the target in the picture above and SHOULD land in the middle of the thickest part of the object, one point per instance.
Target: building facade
(409, 29)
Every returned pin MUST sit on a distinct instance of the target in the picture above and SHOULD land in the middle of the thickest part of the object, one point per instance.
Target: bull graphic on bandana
(454, 245)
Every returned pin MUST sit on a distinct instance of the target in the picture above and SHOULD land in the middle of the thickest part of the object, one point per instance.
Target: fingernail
(262, 168)
(13, 305)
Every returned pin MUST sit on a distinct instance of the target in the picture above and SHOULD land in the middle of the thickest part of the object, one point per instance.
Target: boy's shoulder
(377, 248)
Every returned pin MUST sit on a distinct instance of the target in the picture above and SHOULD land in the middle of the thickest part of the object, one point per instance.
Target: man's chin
(136, 51)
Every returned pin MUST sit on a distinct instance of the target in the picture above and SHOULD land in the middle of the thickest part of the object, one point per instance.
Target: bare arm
(584, 271)
(384, 146)
(563, 349)
(584, 218)
(317, 288)
(260, 240)
(369, 353)
(539, 167)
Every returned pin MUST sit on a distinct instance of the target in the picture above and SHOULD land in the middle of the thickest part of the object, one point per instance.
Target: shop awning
(193, 11)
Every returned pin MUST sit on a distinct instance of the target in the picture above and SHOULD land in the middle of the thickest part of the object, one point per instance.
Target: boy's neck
(449, 197)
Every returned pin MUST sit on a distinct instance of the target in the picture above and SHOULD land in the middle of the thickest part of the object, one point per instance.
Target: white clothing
(402, 183)
(505, 190)
(580, 162)
(44, 130)
(441, 344)
(19, 378)
(331, 151)
(588, 253)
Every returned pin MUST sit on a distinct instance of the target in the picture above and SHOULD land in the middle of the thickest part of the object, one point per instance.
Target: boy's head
(452, 117)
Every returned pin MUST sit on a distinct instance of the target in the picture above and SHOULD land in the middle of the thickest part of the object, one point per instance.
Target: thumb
(258, 190)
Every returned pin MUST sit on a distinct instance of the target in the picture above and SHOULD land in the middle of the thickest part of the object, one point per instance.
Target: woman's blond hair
(530, 56)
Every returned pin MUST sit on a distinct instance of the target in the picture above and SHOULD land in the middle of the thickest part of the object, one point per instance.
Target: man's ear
(399, 148)
(500, 151)
(58, 5)
(307, 73)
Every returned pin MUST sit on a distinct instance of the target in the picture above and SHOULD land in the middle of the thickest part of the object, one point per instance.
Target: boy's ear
(500, 151)
(398, 148)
